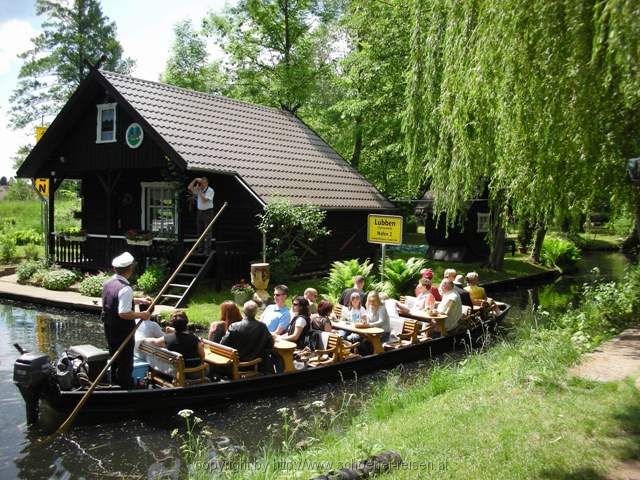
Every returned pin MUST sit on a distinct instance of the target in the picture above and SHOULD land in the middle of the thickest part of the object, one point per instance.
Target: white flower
(174, 433)
(186, 413)
(317, 403)
(282, 411)
(196, 420)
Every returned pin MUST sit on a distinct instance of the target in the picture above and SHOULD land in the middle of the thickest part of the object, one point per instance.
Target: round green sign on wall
(134, 135)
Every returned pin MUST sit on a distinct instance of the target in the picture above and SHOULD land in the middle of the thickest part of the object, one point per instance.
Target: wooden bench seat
(226, 360)
(167, 368)
(412, 332)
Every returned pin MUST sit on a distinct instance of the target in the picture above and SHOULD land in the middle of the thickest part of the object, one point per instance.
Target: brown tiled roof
(274, 153)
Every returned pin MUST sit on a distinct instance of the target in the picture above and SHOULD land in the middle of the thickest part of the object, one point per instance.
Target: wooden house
(465, 242)
(136, 144)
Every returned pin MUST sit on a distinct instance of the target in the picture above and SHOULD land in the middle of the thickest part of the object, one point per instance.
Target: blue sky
(145, 30)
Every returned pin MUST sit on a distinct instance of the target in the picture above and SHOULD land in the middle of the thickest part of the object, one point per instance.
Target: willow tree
(507, 96)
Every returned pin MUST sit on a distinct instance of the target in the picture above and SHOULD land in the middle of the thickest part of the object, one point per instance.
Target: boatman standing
(118, 316)
(204, 194)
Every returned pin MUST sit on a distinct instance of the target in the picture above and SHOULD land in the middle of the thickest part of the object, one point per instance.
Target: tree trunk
(357, 144)
(632, 241)
(496, 257)
(541, 231)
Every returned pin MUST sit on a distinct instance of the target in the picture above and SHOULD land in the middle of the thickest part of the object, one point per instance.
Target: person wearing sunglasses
(276, 316)
(299, 325)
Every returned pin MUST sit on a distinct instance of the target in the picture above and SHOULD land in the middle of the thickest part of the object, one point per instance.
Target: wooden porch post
(51, 219)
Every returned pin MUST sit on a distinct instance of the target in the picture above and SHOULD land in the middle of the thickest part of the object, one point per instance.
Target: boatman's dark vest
(110, 315)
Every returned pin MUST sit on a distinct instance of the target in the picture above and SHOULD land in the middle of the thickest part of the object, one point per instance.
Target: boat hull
(132, 402)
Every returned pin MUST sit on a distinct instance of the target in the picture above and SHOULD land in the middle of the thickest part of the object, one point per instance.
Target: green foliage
(74, 33)
(26, 269)
(59, 279)
(7, 248)
(151, 280)
(28, 236)
(606, 309)
(38, 277)
(275, 49)
(91, 286)
(342, 274)
(621, 225)
(515, 96)
(290, 230)
(20, 190)
(188, 65)
(559, 253)
(31, 251)
(400, 276)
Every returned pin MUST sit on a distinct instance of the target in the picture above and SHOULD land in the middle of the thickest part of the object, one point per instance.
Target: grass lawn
(510, 412)
(26, 214)
(600, 241)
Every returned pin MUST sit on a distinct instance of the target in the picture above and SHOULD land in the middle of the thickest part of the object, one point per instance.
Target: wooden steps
(191, 273)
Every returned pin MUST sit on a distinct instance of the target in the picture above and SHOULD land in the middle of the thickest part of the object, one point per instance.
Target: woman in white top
(354, 312)
(377, 315)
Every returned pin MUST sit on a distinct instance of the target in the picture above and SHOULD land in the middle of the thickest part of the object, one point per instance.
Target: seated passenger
(183, 341)
(321, 321)
(377, 315)
(423, 293)
(358, 286)
(451, 306)
(464, 295)
(311, 294)
(276, 316)
(150, 332)
(229, 314)
(354, 312)
(299, 325)
(476, 292)
(251, 338)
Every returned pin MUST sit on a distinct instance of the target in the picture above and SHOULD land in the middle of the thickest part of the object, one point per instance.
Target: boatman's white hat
(122, 261)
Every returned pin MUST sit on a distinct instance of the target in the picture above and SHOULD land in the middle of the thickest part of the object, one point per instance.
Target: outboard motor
(30, 373)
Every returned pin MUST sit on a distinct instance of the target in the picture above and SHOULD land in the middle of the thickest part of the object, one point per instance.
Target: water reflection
(143, 447)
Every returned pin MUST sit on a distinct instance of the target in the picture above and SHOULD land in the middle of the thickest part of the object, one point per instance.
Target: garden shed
(466, 241)
(136, 144)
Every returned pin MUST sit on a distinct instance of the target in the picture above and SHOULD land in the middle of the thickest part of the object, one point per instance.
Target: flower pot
(75, 238)
(140, 243)
(260, 279)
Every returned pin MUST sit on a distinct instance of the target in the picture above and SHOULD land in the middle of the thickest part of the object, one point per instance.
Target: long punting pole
(64, 427)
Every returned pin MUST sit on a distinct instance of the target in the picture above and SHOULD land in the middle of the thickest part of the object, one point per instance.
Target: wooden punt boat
(106, 403)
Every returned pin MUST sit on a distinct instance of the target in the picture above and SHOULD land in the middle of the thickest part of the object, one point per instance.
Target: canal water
(144, 447)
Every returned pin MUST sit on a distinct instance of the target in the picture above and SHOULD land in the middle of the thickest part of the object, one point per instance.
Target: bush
(26, 270)
(559, 253)
(621, 225)
(342, 274)
(24, 237)
(59, 279)
(37, 278)
(151, 280)
(400, 276)
(282, 264)
(7, 248)
(31, 251)
(91, 286)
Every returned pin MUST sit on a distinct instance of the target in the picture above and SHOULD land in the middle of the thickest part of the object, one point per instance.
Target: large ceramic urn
(260, 279)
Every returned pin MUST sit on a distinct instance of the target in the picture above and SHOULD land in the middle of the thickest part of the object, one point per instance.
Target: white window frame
(143, 202)
(484, 222)
(101, 108)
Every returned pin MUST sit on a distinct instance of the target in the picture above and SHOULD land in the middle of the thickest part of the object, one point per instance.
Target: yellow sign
(42, 187)
(386, 229)
(40, 132)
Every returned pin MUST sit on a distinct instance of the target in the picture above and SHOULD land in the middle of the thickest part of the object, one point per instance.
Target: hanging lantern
(633, 167)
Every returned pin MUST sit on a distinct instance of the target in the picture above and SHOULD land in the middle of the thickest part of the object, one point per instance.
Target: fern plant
(400, 276)
(342, 274)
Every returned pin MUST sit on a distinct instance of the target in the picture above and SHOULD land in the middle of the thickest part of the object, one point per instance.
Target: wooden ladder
(186, 279)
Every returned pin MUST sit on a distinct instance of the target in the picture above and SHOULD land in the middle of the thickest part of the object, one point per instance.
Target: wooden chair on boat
(337, 310)
(167, 368)
(411, 330)
(336, 350)
(227, 360)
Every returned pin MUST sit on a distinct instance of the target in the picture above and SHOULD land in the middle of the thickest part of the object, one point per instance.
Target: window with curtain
(159, 208)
